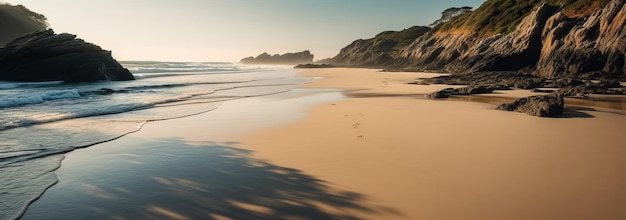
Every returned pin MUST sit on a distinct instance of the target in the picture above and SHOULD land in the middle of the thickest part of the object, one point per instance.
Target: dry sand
(377, 150)
(428, 159)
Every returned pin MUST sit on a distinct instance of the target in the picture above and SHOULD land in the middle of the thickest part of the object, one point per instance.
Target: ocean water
(40, 122)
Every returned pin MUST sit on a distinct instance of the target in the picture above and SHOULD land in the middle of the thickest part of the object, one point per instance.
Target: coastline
(372, 151)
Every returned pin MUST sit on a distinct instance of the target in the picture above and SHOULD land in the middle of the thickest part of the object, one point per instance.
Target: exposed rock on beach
(541, 106)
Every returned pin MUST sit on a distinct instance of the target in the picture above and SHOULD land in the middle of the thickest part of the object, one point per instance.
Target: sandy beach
(353, 144)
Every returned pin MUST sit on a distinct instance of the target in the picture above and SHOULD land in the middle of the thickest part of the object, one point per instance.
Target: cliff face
(284, 59)
(29, 52)
(381, 50)
(518, 50)
(586, 47)
(17, 21)
(548, 42)
(46, 56)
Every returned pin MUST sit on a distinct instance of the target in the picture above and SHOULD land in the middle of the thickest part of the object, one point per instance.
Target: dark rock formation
(541, 106)
(46, 56)
(602, 87)
(438, 95)
(485, 82)
(548, 42)
(17, 21)
(312, 66)
(471, 90)
(285, 59)
(492, 80)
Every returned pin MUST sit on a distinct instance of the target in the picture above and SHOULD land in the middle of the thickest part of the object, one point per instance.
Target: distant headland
(303, 57)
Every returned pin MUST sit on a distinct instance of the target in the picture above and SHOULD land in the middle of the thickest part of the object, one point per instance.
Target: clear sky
(228, 30)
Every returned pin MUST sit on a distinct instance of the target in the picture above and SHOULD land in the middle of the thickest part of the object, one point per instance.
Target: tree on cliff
(450, 13)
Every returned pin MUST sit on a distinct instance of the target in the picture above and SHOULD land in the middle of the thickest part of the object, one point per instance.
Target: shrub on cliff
(502, 16)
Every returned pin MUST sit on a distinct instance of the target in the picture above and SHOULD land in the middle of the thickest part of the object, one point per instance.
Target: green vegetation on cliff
(395, 40)
(385, 47)
(579, 8)
(502, 16)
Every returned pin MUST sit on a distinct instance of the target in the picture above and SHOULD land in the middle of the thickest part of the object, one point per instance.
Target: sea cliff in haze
(284, 59)
(552, 39)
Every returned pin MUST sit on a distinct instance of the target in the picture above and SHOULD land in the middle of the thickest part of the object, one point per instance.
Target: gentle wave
(21, 100)
(13, 85)
(164, 67)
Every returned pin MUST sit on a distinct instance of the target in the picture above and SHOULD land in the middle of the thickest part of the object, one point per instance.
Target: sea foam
(37, 98)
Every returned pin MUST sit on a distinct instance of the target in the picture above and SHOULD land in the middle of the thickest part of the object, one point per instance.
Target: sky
(228, 30)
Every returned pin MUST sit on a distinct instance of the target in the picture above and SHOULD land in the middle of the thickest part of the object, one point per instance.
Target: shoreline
(367, 151)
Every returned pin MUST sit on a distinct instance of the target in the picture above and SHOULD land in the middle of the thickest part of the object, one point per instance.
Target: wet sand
(354, 144)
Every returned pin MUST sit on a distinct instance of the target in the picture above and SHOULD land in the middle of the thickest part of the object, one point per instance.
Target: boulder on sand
(541, 106)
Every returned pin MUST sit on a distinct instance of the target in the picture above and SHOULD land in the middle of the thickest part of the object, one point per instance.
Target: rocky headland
(313, 65)
(30, 52)
(17, 21)
(303, 57)
(46, 56)
(507, 44)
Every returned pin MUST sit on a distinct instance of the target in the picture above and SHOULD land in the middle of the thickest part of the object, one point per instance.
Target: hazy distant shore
(353, 144)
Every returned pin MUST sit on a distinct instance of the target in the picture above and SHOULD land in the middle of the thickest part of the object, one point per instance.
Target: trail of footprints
(355, 125)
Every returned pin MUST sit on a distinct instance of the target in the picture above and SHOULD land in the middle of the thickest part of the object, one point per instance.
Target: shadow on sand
(177, 179)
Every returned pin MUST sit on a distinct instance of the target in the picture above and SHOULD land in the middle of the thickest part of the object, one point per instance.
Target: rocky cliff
(17, 21)
(551, 39)
(284, 59)
(46, 56)
(381, 50)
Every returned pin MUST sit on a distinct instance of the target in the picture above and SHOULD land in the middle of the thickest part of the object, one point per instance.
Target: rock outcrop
(541, 106)
(548, 41)
(496, 80)
(313, 66)
(518, 50)
(17, 21)
(588, 47)
(46, 56)
(381, 50)
(303, 57)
